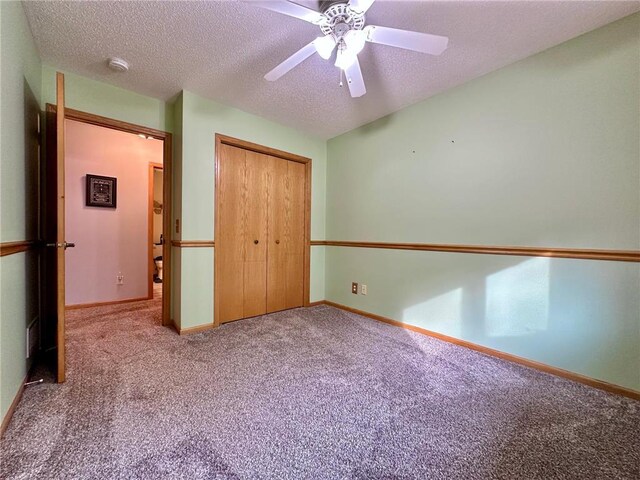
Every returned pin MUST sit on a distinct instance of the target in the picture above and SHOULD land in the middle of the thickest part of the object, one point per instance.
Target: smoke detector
(118, 64)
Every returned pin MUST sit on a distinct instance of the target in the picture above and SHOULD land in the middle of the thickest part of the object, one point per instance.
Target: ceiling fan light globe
(355, 40)
(324, 46)
(345, 58)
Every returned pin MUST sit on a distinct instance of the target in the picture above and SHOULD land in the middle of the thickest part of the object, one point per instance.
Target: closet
(261, 241)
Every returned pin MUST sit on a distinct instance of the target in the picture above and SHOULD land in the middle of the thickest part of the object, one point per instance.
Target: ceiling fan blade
(360, 6)
(419, 42)
(293, 61)
(355, 80)
(292, 9)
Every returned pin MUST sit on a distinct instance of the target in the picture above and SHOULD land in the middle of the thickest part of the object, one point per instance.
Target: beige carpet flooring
(312, 393)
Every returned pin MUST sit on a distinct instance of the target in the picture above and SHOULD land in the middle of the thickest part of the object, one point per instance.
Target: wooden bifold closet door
(260, 239)
(285, 251)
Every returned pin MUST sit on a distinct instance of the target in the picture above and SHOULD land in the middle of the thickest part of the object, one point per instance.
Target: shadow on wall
(31, 161)
(32, 118)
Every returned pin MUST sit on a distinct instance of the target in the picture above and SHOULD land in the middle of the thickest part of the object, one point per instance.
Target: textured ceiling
(221, 51)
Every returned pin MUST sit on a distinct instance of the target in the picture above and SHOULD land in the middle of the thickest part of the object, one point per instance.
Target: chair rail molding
(192, 243)
(10, 248)
(577, 253)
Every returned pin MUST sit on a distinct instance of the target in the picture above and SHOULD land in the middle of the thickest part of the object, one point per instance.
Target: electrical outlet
(354, 288)
(363, 289)
(119, 279)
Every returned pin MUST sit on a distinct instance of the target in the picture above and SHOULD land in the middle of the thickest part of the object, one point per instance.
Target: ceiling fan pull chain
(341, 76)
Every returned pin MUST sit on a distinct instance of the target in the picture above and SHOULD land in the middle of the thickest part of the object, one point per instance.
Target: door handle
(64, 245)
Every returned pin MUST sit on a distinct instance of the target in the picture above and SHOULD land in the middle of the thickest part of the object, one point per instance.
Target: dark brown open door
(53, 253)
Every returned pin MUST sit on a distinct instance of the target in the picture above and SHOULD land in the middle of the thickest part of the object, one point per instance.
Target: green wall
(201, 120)
(19, 105)
(544, 152)
(194, 122)
(20, 77)
(100, 98)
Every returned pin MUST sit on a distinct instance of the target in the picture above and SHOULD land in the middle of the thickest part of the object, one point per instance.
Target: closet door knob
(277, 242)
(256, 242)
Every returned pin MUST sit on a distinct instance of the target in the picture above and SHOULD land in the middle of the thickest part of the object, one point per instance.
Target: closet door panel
(260, 241)
(295, 223)
(230, 238)
(255, 262)
(276, 255)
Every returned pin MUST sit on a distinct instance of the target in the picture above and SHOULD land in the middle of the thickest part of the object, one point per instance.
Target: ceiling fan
(343, 26)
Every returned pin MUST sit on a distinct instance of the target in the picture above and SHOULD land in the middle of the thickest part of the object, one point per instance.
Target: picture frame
(101, 191)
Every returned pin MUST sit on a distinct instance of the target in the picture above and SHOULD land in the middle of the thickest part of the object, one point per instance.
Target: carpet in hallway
(308, 393)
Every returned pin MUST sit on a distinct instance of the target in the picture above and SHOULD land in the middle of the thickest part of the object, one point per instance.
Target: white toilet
(159, 268)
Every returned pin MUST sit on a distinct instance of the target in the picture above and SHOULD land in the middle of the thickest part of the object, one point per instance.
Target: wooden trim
(254, 147)
(150, 233)
(193, 243)
(9, 248)
(198, 329)
(315, 304)
(150, 193)
(307, 235)
(167, 165)
(60, 233)
(12, 408)
(100, 121)
(584, 254)
(167, 227)
(102, 304)
(216, 227)
(559, 372)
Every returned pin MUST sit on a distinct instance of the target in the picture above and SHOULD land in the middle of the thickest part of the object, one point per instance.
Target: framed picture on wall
(101, 191)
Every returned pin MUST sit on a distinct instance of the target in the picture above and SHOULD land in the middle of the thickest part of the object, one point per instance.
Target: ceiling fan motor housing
(341, 19)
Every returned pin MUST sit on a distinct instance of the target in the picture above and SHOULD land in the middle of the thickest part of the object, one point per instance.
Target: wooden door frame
(254, 147)
(61, 343)
(152, 168)
(167, 156)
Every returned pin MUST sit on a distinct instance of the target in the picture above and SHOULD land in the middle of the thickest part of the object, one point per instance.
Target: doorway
(52, 218)
(148, 134)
